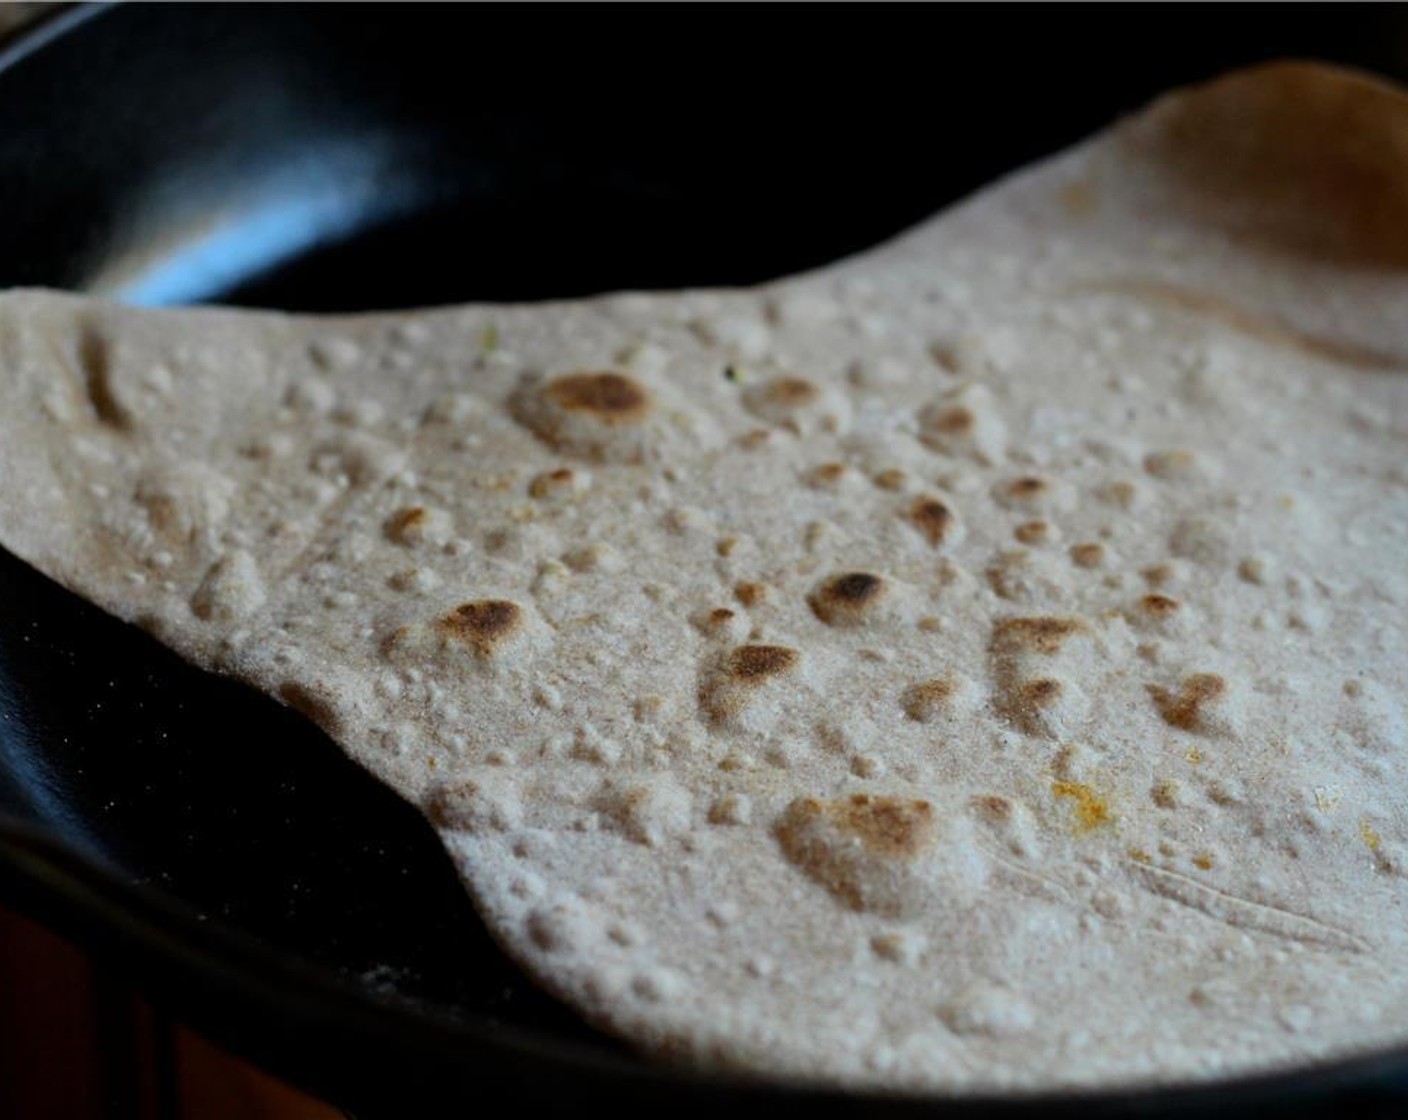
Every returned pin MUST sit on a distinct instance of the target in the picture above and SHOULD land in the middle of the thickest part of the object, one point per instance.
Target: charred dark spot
(932, 518)
(483, 624)
(854, 588)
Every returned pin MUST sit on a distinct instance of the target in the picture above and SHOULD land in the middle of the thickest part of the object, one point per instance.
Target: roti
(977, 665)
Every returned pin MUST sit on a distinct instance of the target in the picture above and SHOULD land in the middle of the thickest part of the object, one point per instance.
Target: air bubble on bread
(483, 633)
(1036, 494)
(184, 504)
(419, 526)
(1158, 614)
(363, 461)
(797, 404)
(741, 687)
(476, 806)
(852, 599)
(1051, 707)
(561, 484)
(887, 855)
(940, 699)
(1176, 465)
(599, 415)
(1036, 661)
(965, 423)
(232, 588)
(1023, 576)
(988, 1010)
(936, 522)
(1008, 821)
(648, 813)
(1202, 702)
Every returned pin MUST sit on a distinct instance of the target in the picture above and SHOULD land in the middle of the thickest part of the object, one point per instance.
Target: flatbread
(977, 665)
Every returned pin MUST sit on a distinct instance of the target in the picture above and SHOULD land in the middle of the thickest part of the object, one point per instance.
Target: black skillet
(212, 844)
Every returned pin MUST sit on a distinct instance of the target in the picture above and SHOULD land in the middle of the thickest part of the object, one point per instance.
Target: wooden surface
(76, 1043)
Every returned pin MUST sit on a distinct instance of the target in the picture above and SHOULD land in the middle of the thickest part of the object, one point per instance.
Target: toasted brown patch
(846, 599)
(853, 846)
(1033, 532)
(1042, 692)
(552, 482)
(789, 392)
(1035, 635)
(1184, 708)
(1088, 555)
(751, 594)
(610, 397)
(405, 524)
(889, 826)
(926, 700)
(933, 519)
(1160, 606)
(954, 421)
(827, 475)
(483, 625)
(757, 663)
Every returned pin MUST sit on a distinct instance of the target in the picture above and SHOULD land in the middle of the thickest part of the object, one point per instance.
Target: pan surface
(347, 158)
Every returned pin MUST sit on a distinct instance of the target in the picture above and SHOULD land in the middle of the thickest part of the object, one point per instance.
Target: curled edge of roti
(1295, 156)
(1097, 791)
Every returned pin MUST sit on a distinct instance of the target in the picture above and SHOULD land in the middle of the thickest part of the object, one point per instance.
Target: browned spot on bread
(927, 699)
(890, 826)
(848, 599)
(610, 397)
(789, 392)
(483, 625)
(853, 846)
(1160, 606)
(892, 479)
(826, 475)
(1088, 555)
(1156, 575)
(933, 519)
(1039, 693)
(751, 594)
(1033, 532)
(954, 421)
(757, 663)
(726, 546)
(1184, 708)
(1035, 635)
(552, 482)
(405, 522)
(720, 614)
(1028, 486)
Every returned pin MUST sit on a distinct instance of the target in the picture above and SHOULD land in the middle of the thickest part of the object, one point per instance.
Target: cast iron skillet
(339, 158)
